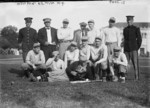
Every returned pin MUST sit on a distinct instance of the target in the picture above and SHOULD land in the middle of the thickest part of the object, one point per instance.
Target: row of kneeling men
(87, 63)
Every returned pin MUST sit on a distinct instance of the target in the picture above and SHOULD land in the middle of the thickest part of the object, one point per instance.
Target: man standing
(35, 62)
(47, 36)
(112, 38)
(65, 36)
(132, 43)
(99, 58)
(93, 32)
(27, 37)
(78, 34)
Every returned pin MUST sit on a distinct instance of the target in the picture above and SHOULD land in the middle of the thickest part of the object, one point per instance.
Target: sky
(76, 12)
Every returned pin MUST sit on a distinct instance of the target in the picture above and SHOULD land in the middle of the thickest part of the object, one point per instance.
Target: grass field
(24, 94)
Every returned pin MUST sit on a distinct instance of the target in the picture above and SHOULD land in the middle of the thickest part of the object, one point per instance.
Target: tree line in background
(9, 37)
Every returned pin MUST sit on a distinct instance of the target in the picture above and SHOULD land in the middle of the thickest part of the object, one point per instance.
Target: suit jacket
(42, 36)
(27, 37)
(132, 38)
(78, 36)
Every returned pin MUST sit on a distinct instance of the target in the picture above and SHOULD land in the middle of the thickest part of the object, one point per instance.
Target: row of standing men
(52, 39)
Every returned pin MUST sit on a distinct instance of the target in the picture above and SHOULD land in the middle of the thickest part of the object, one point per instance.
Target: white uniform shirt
(55, 65)
(121, 59)
(85, 52)
(111, 35)
(92, 34)
(95, 53)
(65, 34)
(35, 58)
(49, 37)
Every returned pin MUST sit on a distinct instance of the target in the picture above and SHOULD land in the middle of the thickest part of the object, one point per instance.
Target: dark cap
(28, 19)
(130, 17)
(112, 19)
(91, 21)
(46, 20)
(117, 49)
(83, 24)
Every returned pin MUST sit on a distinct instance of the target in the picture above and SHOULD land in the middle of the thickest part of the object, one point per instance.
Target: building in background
(145, 32)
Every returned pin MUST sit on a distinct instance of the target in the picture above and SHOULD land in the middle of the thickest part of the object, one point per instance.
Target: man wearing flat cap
(111, 37)
(98, 57)
(27, 37)
(78, 34)
(93, 32)
(35, 62)
(72, 54)
(84, 49)
(65, 36)
(132, 43)
(55, 70)
(47, 36)
(119, 64)
(79, 70)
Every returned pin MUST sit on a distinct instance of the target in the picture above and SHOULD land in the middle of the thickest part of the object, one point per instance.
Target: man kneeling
(119, 64)
(55, 70)
(79, 70)
(34, 62)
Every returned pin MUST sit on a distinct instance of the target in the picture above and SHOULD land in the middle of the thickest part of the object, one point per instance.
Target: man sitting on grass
(119, 64)
(79, 70)
(99, 59)
(72, 54)
(55, 70)
(35, 62)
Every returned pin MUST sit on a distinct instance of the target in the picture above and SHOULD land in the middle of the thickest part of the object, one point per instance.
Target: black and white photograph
(75, 54)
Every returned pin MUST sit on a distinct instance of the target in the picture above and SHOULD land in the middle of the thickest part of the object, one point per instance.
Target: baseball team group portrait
(81, 54)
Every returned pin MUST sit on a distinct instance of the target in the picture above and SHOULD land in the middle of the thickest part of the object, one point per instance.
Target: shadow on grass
(135, 99)
(18, 72)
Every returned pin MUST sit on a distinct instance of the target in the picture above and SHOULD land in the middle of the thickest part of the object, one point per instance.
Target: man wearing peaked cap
(132, 43)
(47, 36)
(84, 50)
(27, 37)
(66, 21)
(93, 32)
(35, 62)
(79, 33)
(65, 36)
(46, 20)
(112, 38)
(119, 64)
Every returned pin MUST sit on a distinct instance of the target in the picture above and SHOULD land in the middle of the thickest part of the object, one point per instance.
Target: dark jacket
(80, 75)
(42, 36)
(27, 37)
(132, 38)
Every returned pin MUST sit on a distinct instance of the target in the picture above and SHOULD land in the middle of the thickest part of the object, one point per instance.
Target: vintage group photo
(84, 54)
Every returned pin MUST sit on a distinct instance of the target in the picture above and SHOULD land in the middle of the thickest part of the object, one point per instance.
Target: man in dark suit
(47, 36)
(27, 37)
(132, 43)
(78, 34)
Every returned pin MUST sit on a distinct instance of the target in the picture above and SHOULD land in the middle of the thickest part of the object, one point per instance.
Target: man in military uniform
(47, 36)
(132, 43)
(27, 37)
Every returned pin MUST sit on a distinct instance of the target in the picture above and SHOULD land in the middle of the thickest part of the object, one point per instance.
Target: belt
(107, 43)
(65, 41)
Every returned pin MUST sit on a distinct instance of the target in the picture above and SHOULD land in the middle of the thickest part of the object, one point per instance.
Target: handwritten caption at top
(40, 3)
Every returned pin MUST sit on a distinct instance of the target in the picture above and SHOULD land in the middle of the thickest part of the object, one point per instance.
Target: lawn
(17, 92)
